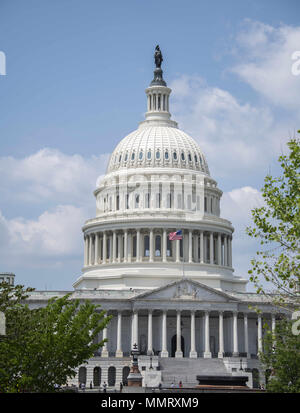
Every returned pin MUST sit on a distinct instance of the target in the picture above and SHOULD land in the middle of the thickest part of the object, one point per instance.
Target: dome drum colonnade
(152, 245)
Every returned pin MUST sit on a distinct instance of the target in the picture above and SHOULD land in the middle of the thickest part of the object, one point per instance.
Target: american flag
(173, 236)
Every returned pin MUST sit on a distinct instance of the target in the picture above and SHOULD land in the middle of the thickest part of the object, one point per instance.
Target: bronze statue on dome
(158, 57)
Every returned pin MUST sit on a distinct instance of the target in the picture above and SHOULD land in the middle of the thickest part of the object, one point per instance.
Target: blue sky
(76, 74)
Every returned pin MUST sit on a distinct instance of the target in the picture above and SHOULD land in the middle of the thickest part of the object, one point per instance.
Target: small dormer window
(141, 155)
(149, 155)
(167, 155)
(157, 154)
(182, 156)
(175, 156)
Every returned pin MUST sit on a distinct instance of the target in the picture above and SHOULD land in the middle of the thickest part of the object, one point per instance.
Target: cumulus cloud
(265, 53)
(50, 175)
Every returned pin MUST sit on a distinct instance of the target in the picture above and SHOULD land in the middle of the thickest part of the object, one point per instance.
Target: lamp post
(135, 378)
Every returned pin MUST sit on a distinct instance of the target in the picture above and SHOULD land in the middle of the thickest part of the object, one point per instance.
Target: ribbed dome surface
(158, 146)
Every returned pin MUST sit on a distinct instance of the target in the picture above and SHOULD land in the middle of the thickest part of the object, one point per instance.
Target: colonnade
(150, 245)
(206, 333)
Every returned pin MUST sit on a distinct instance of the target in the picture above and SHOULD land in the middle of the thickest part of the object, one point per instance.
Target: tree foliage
(277, 226)
(281, 357)
(43, 346)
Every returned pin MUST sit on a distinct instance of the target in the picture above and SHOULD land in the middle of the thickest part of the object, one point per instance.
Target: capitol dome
(157, 182)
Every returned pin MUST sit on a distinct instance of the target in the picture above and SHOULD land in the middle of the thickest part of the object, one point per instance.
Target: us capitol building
(178, 301)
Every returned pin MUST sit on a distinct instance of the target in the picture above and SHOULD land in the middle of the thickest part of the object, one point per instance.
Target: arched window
(141, 155)
(196, 159)
(169, 248)
(120, 157)
(169, 200)
(158, 200)
(182, 156)
(111, 376)
(190, 157)
(132, 156)
(175, 156)
(127, 201)
(167, 155)
(157, 154)
(125, 374)
(149, 155)
(82, 375)
(158, 246)
(97, 376)
(118, 202)
(126, 157)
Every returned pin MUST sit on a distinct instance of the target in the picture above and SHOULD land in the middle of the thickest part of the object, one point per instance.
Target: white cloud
(265, 55)
(54, 234)
(50, 175)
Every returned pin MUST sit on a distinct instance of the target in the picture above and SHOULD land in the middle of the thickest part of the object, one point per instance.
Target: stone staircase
(186, 370)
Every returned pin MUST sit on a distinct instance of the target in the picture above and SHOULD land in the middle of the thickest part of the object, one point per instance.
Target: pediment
(186, 290)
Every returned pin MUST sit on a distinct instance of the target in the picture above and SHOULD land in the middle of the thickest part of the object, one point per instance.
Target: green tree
(281, 356)
(43, 346)
(277, 226)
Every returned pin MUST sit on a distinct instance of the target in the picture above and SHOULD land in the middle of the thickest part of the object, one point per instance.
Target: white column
(151, 246)
(193, 352)
(201, 247)
(221, 335)
(96, 248)
(104, 352)
(196, 243)
(150, 334)
(104, 248)
(207, 353)
(138, 245)
(125, 245)
(119, 352)
(190, 246)
(91, 250)
(246, 335)
(219, 250)
(119, 247)
(273, 323)
(86, 250)
(259, 332)
(114, 246)
(135, 328)
(164, 245)
(164, 350)
(177, 250)
(211, 248)
(235, 335)
(178, 353)
(129, 246)
(225, 251)
(230, 252)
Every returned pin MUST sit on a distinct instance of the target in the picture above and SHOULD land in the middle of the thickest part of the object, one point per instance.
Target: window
(196, 159)
(166, 155)
(158, 246)
(120, 157)
(141, 155)
(118, 203)
(137, 200)
(147, 200)
(149, 155)
(127, 201)
(169, 200)
(158, 200)
(132, 156)
(182, 156)
(175, 156)
(157, 155)
(126, 157)
(179, 201)
(146, 246)
(190, 157)
(205, 204)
